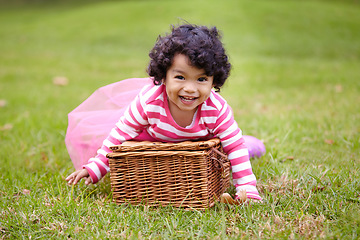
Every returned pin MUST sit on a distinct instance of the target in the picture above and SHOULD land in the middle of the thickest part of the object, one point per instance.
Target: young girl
(180, 104)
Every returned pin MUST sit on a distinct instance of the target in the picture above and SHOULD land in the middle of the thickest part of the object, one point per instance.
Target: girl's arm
(234, 145)
(129, 126)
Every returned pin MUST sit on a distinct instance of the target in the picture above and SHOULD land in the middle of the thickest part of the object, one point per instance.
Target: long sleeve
(128, 127)
(234, 145)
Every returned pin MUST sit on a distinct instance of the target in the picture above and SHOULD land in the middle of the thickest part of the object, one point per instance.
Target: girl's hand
(76, 176)
(241, 198)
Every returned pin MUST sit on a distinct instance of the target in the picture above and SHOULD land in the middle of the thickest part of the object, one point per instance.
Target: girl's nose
(189, 86)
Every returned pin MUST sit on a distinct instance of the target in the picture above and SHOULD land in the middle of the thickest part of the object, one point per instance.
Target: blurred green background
(294, 84)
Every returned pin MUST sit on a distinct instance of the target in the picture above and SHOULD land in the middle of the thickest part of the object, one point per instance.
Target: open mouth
(188, 99)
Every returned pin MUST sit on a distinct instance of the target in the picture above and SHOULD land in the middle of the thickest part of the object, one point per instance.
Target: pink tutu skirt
(91, 122)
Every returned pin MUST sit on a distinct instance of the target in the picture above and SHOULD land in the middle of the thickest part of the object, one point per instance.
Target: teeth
(187, 98)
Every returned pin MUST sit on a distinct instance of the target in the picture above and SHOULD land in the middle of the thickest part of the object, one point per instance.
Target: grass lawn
(295, 84)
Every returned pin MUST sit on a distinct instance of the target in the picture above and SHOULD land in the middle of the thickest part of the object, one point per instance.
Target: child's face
(186, 86)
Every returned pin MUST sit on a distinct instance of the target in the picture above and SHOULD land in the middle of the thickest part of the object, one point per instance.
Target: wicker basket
(186, 174)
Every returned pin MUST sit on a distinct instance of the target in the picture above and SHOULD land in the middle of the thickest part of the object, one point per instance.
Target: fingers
(76, 176)
(241, 196)
(71, 177)
(226, 198)
(88, 181)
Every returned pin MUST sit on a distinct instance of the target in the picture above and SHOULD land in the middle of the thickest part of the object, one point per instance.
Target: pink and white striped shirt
(148, 118)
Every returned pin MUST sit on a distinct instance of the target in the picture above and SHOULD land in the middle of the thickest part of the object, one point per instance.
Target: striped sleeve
(233, 143)
(128, 127)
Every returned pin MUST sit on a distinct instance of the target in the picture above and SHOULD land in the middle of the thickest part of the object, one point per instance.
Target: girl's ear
(163, 81)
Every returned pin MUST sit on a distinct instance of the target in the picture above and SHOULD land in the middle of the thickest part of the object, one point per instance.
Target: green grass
(294, 84)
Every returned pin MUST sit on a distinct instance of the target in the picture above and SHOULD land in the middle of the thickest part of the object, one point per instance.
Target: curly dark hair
(202, 45)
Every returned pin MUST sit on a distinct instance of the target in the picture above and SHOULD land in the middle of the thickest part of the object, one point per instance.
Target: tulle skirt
(91, 122)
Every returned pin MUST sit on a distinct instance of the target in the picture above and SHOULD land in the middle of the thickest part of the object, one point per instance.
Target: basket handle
(220, 165)
(218, 152)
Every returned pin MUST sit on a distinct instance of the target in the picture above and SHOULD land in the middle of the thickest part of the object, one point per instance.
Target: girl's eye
(202, 79)
(179, 77)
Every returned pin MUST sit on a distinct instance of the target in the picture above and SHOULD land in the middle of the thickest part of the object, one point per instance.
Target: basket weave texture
(186, 174)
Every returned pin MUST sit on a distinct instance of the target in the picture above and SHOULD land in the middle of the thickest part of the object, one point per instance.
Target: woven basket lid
(153, 146)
